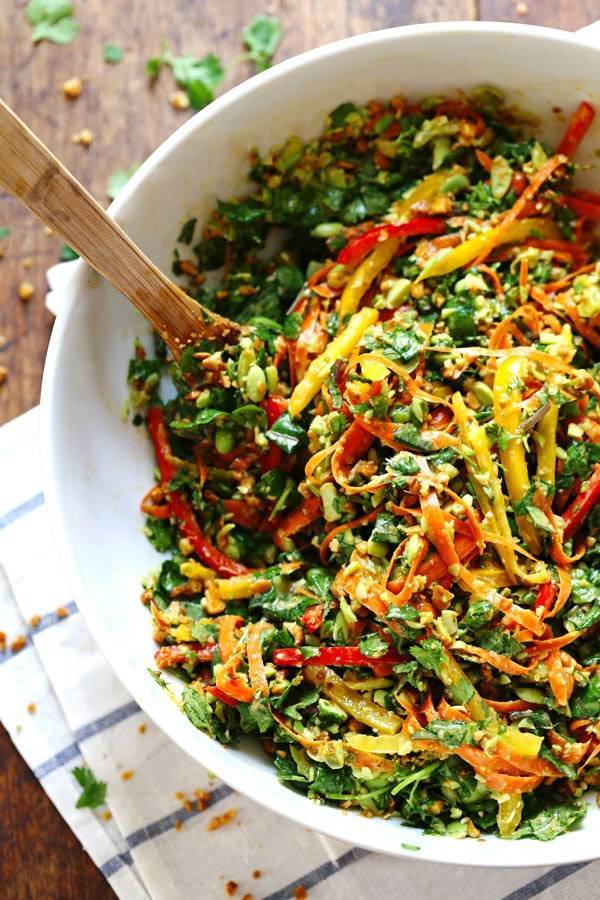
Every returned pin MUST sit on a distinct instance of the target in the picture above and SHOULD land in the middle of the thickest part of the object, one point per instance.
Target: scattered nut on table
(26, 291)
(83, 137)
(179, 100)
(72, 88)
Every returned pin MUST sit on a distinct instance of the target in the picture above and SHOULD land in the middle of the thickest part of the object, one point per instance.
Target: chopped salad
(379, 508)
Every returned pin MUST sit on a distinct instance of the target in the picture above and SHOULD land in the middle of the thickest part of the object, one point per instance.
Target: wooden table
(39, 856)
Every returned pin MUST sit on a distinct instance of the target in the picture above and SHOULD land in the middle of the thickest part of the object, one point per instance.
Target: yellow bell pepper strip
(240, 587)
(360, 708)
(481, 468)
(425, 190)
(510, 810)
(340, 347)
(361, 278)
(545, 441)
(393, 744)
(486, 464)
(507, 391)
(448, 260)
(522, 742)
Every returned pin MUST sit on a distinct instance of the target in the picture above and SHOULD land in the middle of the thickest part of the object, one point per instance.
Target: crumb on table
(107, 815)
(18, 643)
(300, 892)
(224, 819)
(31, 708)
(142, 728)
(2, 641)
(230, 888)
(127, 775)
(202, 799)
(35, 620)
(257, 873)
(178, 825)
(62, 612)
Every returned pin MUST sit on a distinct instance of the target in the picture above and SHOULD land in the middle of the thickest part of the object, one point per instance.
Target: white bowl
(96, 466)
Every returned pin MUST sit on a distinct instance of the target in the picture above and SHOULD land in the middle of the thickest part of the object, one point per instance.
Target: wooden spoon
(30, 172)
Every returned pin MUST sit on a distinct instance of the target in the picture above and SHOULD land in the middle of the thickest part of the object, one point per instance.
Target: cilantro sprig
(52, 20)
(262, 37)
(93, 793)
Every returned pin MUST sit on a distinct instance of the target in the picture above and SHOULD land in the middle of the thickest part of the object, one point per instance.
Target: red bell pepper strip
(578, 126)
(334, 656)
(545, 596)
(583, 208)
(583, 504)
(180, 508)
(219, 695)
(274, 408)
(355, 251)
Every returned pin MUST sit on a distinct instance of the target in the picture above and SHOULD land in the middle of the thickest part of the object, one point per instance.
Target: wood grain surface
(39, 856)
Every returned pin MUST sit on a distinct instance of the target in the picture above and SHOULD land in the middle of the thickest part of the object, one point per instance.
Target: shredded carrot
(256, 666)
(494, 278)
(227, 640)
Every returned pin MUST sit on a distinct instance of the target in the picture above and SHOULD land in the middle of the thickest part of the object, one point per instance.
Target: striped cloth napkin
(169, 829)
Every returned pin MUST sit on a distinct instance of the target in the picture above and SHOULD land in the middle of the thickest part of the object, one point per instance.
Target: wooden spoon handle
(30, 172)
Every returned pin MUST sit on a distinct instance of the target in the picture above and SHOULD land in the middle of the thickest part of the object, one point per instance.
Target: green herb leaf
(52, 20)
(287, 434)
(186, 235)
(160, 533)
(372, 645)
(262, 37)
(4, 231)
(201, 714)
(451, 734)
(119, 179)
(67, 253)
(551, 822)
(94, 792)
(411, 436)
(199, 78)
(112, 54)
(153, 66)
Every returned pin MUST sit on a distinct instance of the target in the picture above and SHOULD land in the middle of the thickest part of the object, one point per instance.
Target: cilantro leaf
(119, 179)
(262, 37)
(94, 792)
(199, 78)
(52, 20)
(550, 822)
(4, 231)
(372, 645)
(112, 54)
(451, 734)
(201, 714)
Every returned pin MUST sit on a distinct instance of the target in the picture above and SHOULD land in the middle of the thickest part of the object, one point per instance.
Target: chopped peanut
(83, 137)
(72, 88)
(26, 291)
(179, 100)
